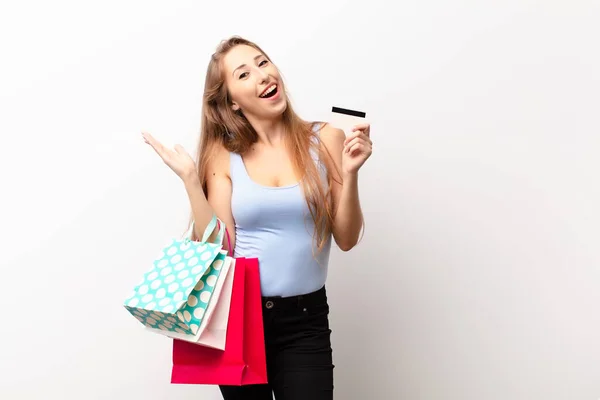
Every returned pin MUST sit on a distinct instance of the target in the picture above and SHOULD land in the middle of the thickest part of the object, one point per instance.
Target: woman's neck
(270, 132)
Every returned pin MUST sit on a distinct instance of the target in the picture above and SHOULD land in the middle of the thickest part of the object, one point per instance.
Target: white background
(478, 275)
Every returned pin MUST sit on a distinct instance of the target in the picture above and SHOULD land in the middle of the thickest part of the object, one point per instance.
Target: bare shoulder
(332, 145)
(218, 164)
(332, 141)
(332, 137)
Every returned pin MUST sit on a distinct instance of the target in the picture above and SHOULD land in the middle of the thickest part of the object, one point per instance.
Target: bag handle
(207, 232)
(228, 241)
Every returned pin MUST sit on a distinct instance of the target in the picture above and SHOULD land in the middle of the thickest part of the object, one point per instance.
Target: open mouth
(269, 92)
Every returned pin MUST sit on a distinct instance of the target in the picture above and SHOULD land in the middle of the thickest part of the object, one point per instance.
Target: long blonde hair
(221, 126)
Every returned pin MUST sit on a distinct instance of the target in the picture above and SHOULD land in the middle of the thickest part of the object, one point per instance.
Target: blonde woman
(284, 188)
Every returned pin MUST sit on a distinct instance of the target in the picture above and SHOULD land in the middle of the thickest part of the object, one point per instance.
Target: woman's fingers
(359, 139)
(161, 150)
(357, 134)
(366, 128)
(356, 148)
(180, 150)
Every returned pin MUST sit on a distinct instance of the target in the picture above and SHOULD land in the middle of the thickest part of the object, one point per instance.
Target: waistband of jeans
(305, 300)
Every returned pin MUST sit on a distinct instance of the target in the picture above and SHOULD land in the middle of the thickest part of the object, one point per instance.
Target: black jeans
(299, 355)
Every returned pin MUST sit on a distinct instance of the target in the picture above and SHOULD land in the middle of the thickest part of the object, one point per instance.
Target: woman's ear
(234, 106)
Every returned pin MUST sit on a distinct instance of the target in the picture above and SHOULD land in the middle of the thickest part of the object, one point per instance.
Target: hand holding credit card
(358, 145)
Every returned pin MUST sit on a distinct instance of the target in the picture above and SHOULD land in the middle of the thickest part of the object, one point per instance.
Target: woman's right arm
(218, 202)
(218, 185)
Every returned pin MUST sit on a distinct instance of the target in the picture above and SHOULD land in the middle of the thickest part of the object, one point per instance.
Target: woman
(287, 187)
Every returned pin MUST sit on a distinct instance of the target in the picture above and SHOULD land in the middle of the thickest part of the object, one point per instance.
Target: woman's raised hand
(177, 158)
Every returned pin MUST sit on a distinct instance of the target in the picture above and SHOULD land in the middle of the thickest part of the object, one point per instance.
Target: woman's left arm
(347, 156)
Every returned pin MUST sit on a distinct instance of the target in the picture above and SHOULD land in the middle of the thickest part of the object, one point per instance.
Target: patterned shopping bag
(213, 329)
(175, 292)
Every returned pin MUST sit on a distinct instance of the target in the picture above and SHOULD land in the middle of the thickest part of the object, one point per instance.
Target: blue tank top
(274, 225)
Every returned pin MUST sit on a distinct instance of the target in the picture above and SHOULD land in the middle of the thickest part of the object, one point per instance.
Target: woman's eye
(263, 62)
(243, 75)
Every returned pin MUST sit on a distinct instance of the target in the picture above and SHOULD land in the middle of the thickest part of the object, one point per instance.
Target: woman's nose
(262, 74)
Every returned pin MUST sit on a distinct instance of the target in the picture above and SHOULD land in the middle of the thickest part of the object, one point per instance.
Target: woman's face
(253, 83)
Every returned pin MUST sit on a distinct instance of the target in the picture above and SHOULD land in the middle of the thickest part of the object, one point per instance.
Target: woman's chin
(264, 110)
(275, 109)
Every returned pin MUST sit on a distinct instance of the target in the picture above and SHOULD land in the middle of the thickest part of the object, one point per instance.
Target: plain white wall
(478, 275)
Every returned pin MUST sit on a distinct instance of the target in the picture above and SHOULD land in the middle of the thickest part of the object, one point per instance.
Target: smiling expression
(253, 83)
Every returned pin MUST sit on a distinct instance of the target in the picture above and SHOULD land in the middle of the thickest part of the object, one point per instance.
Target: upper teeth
(269, 90)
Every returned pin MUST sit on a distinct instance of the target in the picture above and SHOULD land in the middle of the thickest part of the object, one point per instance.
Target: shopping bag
(175, 292)
(213, 329)
(243, 362)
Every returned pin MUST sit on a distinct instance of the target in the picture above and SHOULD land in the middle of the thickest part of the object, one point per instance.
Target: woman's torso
(274, 224)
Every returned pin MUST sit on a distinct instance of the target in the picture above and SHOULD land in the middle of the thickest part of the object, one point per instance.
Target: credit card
(345, 119)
